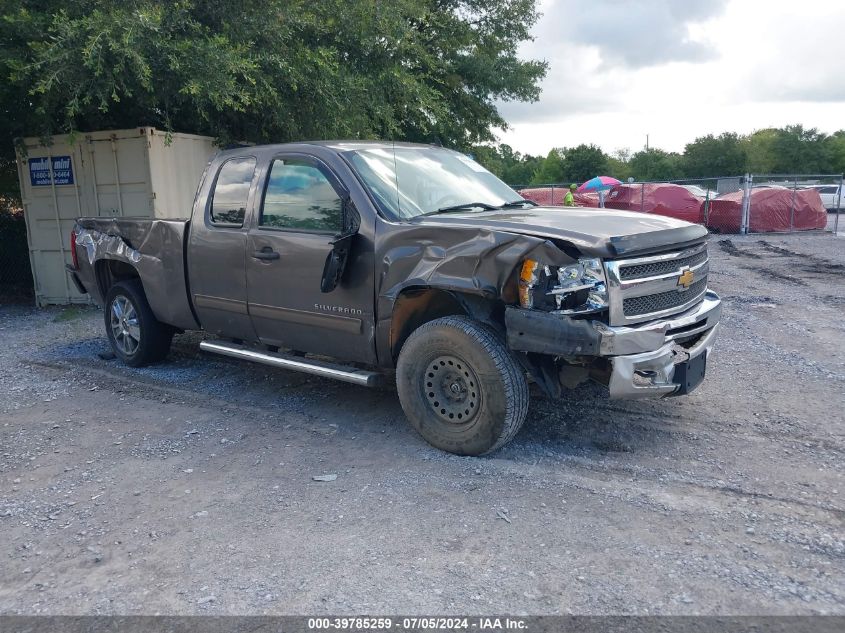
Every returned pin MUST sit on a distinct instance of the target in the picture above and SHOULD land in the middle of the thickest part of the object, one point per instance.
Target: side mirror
(336, 260)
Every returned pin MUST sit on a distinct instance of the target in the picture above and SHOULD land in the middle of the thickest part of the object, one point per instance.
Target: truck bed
(155, 249)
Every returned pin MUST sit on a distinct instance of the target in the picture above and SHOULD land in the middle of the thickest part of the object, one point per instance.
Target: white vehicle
(832, 197)
(700, 192)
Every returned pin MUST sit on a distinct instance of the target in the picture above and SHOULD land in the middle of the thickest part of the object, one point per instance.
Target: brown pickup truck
(352, 260)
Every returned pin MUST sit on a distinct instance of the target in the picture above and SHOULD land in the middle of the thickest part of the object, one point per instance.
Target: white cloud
(637, 34)
(677, 70)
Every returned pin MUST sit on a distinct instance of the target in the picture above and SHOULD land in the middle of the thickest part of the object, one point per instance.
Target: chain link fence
(751, 203)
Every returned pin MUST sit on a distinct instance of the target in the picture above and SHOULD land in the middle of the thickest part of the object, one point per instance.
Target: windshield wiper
(482, 205)
(463, 206)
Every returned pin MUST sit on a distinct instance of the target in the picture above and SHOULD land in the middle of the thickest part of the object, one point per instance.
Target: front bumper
(645, 360)
(657, 373)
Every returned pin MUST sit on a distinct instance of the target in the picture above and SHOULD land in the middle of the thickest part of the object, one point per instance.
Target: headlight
(577, 288)
(581, 287)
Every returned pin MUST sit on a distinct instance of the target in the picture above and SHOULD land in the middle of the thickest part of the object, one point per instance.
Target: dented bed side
(155, 249)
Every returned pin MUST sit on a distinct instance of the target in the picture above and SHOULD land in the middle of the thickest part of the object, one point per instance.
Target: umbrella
(599, 183)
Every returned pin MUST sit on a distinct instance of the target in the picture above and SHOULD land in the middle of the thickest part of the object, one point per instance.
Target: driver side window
(300, 197)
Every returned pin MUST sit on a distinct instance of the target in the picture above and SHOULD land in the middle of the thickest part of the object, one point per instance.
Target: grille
(633, 306)
(653, 269)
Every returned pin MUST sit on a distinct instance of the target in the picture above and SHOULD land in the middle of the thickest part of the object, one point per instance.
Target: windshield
(413, 181)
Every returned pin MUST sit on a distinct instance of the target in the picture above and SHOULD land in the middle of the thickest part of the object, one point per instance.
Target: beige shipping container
(112, 173)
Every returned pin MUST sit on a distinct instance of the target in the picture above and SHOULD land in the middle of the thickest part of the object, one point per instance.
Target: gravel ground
(188, 487)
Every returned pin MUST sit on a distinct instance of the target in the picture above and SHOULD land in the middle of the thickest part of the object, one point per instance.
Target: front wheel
(136, 336)
(460, 387)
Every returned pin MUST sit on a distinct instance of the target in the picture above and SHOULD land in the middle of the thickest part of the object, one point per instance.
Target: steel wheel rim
(125, 327)
(452, 390)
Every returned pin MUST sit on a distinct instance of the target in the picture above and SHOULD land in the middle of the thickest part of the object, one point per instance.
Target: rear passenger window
(300, 197)
(231, 192)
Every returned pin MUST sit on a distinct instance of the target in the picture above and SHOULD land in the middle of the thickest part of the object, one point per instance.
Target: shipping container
(141, 172)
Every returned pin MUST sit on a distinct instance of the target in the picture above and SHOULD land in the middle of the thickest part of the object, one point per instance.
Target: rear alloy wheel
(136, 336)
(460, 387)
(125, 327)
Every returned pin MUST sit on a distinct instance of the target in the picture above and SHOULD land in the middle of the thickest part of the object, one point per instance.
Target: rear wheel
(136, 336)
(460, 387)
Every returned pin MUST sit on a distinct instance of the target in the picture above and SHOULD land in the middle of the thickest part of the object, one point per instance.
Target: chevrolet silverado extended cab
(355, 260)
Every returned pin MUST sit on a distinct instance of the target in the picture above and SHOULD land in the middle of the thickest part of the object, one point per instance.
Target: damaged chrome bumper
(659, 358)
(669, 370)
(636, 339)
(648, 361)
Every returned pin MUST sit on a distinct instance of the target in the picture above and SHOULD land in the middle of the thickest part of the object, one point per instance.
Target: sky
(679, 69)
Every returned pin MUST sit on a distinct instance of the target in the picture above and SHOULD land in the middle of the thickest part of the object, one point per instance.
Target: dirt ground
(188, 487)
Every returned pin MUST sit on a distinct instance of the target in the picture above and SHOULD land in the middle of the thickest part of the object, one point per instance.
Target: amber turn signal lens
(529, 267)
(527, 278)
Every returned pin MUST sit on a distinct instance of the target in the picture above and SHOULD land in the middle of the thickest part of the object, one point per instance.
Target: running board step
(297, 363)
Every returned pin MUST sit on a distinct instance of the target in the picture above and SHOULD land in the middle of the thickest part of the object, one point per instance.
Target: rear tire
(136, 336)
(460, 387)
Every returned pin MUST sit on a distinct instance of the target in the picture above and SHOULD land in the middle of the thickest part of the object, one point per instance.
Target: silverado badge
(686, 278)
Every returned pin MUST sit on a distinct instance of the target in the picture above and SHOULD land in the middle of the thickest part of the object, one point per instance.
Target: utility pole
(646, 142)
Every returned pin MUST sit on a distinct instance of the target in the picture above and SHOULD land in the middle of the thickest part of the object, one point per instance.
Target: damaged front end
(564, 323)
(576, 288)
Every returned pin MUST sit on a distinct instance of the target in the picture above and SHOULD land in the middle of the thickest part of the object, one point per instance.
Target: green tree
(618, 169)
(512, 167)
(760, 152)
(490, 157)
(836, 151)
(799, 150)
(269, 70)
(522, 173)
(618, 164)
(518, 169)
(710, 156)
(552, 169)
(790, 150)
(584, 162)
(655, 164)
(568, 165)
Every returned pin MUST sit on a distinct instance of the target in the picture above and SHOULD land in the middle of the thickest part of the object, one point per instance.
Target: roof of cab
(358, 145)
(339, 146)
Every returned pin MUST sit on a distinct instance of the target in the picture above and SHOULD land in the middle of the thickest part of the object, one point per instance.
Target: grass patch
(68, 314)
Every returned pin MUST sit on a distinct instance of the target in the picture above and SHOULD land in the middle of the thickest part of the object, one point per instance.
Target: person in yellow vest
(569, 198)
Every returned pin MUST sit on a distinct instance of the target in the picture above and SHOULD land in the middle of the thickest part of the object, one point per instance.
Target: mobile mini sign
(39, 171)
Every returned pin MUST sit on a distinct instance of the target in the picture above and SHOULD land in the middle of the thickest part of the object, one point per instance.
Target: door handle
(266, 253)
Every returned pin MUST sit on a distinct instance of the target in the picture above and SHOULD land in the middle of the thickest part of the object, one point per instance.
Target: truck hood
(594, 232)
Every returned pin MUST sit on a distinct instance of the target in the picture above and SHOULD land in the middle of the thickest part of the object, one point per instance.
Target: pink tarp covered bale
(553, 197)
(670, 200)
(770, 211)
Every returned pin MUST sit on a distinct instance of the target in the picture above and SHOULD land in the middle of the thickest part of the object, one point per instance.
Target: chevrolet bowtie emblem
(686, 278)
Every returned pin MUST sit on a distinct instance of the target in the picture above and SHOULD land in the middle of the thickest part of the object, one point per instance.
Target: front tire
(136, 336)
(460, 387)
